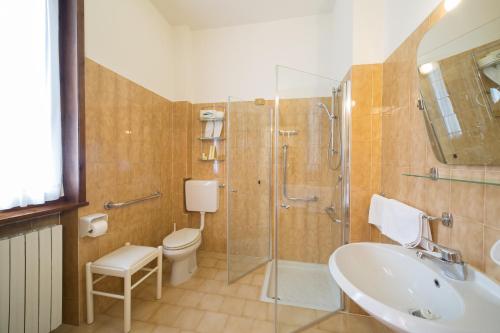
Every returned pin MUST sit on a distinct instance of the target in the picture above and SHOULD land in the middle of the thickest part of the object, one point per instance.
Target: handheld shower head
(330, 114)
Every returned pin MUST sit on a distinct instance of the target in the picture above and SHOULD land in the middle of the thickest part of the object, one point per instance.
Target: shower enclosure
(249, 179)
(288, 194)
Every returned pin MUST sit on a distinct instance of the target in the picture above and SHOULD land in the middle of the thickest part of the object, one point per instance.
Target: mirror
(459, 74)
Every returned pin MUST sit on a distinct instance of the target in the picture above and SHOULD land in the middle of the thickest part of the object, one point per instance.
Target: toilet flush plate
(495, 252)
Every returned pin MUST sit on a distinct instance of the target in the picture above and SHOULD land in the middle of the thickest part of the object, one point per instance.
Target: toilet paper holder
(86, 223)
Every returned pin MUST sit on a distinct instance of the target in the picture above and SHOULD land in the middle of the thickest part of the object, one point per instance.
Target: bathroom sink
(409, 294)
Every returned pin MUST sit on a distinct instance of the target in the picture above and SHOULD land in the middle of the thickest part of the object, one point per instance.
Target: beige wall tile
(491, 268)
(467, 235)
(129, 155)
(492, 199)
(365, 146)
(405, 148)
(467, 200)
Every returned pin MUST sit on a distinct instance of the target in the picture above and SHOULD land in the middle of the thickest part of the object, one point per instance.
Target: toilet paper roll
(98, 228)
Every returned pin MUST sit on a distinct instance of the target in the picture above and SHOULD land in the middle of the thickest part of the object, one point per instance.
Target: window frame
(72, 76)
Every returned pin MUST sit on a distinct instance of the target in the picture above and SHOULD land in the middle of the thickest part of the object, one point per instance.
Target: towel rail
(446, 218)
(110, 204)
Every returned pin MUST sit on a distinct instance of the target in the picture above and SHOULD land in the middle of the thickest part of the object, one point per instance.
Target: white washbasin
(389, 282)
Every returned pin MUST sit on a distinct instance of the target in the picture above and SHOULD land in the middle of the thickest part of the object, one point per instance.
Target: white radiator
(31, 281)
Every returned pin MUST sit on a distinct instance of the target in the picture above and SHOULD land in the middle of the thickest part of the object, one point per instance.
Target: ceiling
(206, 14)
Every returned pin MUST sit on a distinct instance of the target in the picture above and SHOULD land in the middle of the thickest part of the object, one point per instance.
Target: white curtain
(30, 110)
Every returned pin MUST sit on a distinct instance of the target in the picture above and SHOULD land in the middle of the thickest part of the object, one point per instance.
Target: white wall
(131, 38)
(401, 18)
(342, 37)
(240, 60)
(183, 63)
(467, 27)
(380, 26)
(368, 31)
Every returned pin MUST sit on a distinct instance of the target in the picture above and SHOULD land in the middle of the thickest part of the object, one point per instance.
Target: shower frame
(345, 166)
(275, 198)
(230, 190)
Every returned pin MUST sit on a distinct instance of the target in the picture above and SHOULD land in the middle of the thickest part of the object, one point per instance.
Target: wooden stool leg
(90, 296)
(127, 299)
(159, 273)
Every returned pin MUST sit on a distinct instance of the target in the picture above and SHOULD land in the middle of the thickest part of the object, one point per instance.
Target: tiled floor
(206, 304)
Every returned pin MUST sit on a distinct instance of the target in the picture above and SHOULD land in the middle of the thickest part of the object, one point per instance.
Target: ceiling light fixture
(449, 5)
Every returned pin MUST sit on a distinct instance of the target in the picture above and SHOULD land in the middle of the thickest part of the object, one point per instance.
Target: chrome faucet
(450, 261)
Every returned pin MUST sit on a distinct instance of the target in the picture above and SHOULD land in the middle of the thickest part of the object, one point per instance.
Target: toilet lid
(181, 238)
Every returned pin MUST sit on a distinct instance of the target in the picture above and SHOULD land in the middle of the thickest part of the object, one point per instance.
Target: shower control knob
(284, 205)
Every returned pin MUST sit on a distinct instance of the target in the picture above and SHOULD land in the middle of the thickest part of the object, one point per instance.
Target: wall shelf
(207, 120)
(203, 138)
(454, 179)
(212, 160)
(212, 135)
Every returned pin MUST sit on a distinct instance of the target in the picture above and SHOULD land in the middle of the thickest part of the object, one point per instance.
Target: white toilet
(180, 246)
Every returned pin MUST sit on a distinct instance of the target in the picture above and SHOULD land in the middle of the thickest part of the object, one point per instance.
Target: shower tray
(304, 285)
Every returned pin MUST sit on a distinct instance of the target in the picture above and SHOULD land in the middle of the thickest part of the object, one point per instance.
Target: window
(30, 103)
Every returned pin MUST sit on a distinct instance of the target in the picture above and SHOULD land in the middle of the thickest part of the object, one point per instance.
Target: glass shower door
(249, 188)
(310, 198)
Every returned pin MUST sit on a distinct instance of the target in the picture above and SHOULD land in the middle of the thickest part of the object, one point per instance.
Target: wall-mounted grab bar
(330, 211)
(111, 204)
(285, 192)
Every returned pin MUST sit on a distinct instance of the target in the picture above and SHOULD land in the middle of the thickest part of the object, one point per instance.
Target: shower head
(323, 106)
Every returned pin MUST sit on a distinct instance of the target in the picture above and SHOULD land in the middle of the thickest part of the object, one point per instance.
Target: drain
(424, 314)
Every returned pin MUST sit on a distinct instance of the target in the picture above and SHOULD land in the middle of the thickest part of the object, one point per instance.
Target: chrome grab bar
(330, 211)
(110, 204)
(285, 192)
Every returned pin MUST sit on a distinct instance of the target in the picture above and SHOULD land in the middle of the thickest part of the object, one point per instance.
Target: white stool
(123, 262)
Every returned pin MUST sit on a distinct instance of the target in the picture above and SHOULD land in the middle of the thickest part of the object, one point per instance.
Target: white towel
(209, 129)
(403, 224)
(426, 233)
(218, 128)
(378, 207)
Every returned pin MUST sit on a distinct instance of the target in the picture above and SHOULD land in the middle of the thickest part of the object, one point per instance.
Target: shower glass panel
(249, 188)
(309, 215)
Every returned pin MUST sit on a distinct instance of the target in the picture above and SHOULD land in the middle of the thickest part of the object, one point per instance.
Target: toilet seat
(181, 239)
